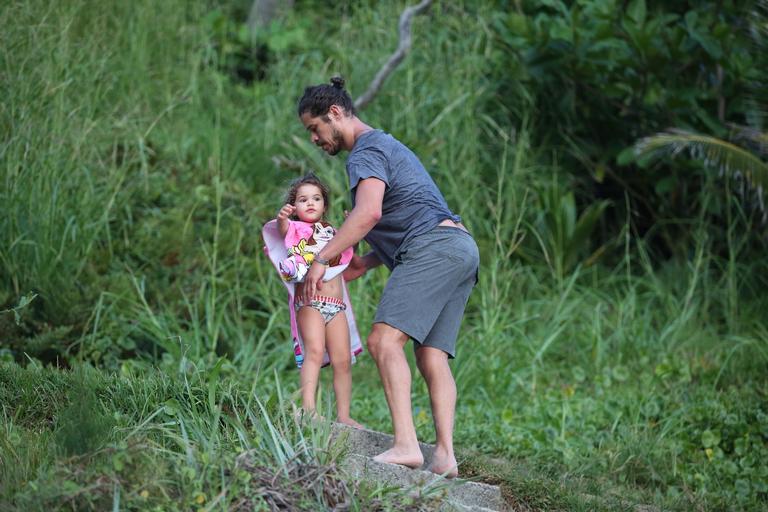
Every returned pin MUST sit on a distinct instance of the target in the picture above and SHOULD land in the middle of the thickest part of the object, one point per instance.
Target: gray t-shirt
(412, 203)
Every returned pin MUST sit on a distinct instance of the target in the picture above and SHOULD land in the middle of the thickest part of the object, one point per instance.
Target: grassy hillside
(144, 335)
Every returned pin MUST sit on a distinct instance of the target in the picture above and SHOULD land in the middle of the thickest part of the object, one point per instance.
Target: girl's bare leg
(312, 328)
(337, 344)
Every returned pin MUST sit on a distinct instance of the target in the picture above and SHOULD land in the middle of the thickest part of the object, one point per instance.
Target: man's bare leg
(433, 365)
(385, 344)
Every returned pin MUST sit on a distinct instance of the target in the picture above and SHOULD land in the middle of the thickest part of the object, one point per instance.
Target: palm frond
(752, 138)
(725, 156)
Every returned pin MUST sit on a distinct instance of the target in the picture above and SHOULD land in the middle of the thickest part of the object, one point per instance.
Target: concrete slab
(459, 495)
(371, 443)
(454, 495)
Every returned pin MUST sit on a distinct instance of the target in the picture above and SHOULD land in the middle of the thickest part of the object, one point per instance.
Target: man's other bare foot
(349, 421)
(410, 458)
(444, 464)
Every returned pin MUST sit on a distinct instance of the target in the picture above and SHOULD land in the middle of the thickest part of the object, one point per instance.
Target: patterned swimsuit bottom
(329, 307)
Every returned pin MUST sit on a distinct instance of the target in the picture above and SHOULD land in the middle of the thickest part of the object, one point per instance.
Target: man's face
(323, 132)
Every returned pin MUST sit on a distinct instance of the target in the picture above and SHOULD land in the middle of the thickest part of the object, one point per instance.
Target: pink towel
(278, 250)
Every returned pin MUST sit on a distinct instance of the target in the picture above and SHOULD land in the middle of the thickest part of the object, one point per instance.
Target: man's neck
(358, 129)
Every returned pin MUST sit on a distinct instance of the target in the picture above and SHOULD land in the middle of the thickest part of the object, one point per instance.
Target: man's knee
(430, 358)
(374, 343)
(383, 339)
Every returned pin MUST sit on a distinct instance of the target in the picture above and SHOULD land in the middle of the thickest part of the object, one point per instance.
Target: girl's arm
(284, 218)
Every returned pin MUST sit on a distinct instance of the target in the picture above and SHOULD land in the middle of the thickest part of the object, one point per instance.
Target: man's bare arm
(360, 265)
(362, 218)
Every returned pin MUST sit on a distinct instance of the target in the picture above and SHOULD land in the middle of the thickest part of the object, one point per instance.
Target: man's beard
(337, 140)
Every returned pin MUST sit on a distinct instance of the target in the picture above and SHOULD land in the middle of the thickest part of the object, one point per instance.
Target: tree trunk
(264, 11)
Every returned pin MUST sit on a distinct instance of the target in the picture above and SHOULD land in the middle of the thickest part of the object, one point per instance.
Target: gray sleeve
(368, 163)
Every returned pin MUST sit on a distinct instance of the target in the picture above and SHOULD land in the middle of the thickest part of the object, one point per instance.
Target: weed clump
(301, 486)
(82, 426)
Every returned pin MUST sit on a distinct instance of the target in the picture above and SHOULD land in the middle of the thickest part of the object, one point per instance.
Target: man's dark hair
(317, 99)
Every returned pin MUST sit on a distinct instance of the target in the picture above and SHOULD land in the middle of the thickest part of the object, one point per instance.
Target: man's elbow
(372, 217)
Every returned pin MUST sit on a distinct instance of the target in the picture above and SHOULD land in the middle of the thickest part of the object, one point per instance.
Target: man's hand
(355, 269)
(313, 281)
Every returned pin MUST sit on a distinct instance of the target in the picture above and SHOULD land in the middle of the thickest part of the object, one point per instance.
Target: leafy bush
(600, 75)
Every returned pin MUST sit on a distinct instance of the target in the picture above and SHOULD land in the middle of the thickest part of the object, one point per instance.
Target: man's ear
(336, 112)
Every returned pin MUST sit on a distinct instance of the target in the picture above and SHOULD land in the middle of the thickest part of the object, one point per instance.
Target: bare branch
(402, 49)
(264, 11)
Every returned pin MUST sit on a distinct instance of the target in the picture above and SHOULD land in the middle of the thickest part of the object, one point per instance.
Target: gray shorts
(429, 287)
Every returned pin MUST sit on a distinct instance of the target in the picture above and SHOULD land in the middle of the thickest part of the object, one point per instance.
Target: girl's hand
(284, 218)
(285, 212)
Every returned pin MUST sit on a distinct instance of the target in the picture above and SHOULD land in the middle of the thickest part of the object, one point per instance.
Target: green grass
(136, 176)
(84, 439)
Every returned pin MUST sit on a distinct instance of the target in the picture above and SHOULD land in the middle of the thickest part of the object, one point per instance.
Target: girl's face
(309, 204)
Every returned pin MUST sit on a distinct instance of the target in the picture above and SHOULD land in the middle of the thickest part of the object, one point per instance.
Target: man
(400, 212)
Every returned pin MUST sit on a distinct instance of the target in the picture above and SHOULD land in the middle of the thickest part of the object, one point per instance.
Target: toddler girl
(323, 328)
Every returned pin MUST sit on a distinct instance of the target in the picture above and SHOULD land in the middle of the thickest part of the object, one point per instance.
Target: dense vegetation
(616, 346)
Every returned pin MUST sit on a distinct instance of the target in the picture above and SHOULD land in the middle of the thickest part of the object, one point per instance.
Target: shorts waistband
(449, 228)
(437, 231)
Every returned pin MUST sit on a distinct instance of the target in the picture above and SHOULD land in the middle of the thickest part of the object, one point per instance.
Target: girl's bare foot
(349, 421)
(410, 458)
(304, 415)
(444, 464)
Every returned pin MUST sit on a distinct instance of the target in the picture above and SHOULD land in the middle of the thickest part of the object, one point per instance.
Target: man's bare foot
(445, 465)
(410, 458)
(349, 421)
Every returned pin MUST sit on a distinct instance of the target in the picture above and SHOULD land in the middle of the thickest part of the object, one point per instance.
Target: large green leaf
(725, 156)
(636, 11)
